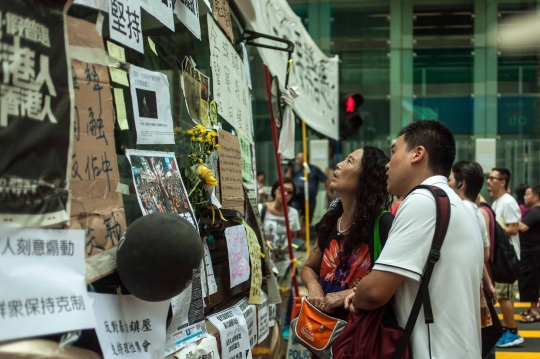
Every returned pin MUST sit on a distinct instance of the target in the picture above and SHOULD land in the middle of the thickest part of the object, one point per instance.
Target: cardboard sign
(230, 172)
(43, 289)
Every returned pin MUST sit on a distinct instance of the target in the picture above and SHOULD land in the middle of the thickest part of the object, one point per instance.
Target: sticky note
(119, 76)
(121, 109)
(116, 51)
(152, 45)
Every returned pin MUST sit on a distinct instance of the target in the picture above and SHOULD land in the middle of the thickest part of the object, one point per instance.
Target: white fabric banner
(315, 74)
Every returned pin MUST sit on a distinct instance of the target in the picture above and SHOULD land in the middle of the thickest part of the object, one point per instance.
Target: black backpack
(504, 264)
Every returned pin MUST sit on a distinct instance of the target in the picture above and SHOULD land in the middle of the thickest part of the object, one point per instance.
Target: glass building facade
(420, 59)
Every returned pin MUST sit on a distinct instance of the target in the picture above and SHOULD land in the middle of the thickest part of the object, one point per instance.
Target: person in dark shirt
(529, 271)
(315, 176)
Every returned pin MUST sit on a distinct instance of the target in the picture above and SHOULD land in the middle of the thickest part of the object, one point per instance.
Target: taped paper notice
(102, 5)
(210, 281)
(233, 333)
(238, 254)
(130, 327)
(188, 13)
(262, 312)
(121, 115)
(206, 349)
(119, 76)
(125, 23)
(256, 269)
(271, 315)
(116, 51)
(250, 314)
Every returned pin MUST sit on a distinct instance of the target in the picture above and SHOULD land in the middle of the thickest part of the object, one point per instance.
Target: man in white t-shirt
(508, 215)
(424, 154)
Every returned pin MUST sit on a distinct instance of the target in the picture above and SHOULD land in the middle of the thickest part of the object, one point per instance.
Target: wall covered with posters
(126, 132)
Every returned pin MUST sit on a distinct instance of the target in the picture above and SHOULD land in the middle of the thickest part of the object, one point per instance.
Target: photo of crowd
(159, 185)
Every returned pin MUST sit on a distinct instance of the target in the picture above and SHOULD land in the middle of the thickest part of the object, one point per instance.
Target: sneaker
(509, 339)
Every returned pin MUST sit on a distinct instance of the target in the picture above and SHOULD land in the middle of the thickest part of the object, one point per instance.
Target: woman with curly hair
(343, 252)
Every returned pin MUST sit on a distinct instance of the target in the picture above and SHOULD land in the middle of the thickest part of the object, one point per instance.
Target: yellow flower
(201, 129)
(213, 133)
(208, 152)
(200, 139)
(200, 160)
(193, 138)
(217, 147)
(189, 132)
(207, 176)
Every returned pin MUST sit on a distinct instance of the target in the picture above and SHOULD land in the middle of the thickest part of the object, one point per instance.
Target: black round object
(157, 255)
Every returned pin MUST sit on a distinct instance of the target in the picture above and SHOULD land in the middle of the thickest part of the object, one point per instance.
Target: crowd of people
(343, 275)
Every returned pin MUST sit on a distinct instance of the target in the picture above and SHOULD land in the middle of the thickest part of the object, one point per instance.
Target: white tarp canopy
(316, 74)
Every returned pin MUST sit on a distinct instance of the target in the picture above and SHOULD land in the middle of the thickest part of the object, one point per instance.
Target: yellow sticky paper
(213, 112)
(255, 296)
(152, 45)
(119, 76)
(121, 109)
(116, 51)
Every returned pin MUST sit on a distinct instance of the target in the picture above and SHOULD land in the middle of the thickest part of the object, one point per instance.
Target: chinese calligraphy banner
(125, 23)
(159, 185)
(151, 106)
(35, 115)
(316, 74)
(43, 289)
(96, 206)
(129, 327)
(229, 83)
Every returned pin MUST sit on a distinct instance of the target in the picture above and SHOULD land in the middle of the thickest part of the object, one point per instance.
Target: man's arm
(376, 289)
(523, 227)
(511, 229)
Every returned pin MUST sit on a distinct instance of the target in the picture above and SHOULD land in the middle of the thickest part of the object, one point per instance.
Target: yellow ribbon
(213, 208)
(289, 67)
(294, 263)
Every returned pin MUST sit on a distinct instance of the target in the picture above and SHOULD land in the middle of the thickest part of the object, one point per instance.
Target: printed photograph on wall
(147, 103)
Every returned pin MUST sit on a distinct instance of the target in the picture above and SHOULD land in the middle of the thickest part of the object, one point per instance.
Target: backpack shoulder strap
(263, 212)
(442, 205)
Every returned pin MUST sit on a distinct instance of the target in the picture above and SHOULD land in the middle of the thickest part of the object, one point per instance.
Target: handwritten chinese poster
(229, 83)
(233, 333)
(230, 172)
(187, 11)
(43, 289)
(262, 312)
(188, 323)
(159, 185)
(247, 158)
(151, 106)
(96, 206)
(250, 314)
(161, 10)
(35, 116)
(222, 13)
(237, 247)
(125, 23)
(129, 327)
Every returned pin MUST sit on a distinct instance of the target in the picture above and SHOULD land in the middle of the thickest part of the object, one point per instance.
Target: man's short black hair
(438, 141)
(472, 173)
(504, 174)
(259, 173)
(535, 190)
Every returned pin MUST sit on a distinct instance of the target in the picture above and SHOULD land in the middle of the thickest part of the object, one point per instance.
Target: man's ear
(419, 153)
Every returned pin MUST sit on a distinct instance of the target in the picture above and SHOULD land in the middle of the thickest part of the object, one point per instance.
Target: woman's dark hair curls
(371, 198)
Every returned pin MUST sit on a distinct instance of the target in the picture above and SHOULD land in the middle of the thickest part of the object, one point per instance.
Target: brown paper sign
(96, 206)
(222, 13)
(230, 172)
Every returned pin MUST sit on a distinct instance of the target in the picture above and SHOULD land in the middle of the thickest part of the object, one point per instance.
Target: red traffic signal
(351, 102)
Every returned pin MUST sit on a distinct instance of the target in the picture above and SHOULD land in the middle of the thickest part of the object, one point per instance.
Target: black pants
(529, 277)
(491, 334)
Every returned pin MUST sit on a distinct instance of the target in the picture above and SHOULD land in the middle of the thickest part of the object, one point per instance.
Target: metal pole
(280, 176)
(306, 189)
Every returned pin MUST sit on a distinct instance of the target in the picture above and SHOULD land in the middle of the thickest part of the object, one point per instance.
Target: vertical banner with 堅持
(35, 115)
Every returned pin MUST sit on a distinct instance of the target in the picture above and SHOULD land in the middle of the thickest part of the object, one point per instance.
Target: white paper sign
(125, 23)
(151, 106)
(161, 10)
(187, 11)
(246, 65)
(262, 313)
(250, 314)
(229, 83)
(208, 5)
(233, 333)
(42, 288)
(129, 327)
(102, 5)
(271, 315)
(237, 247)
(210, 280)
(188, 324)
(206, 349)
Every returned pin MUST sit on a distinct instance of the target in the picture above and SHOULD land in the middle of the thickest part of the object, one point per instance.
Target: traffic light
(349, 119)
